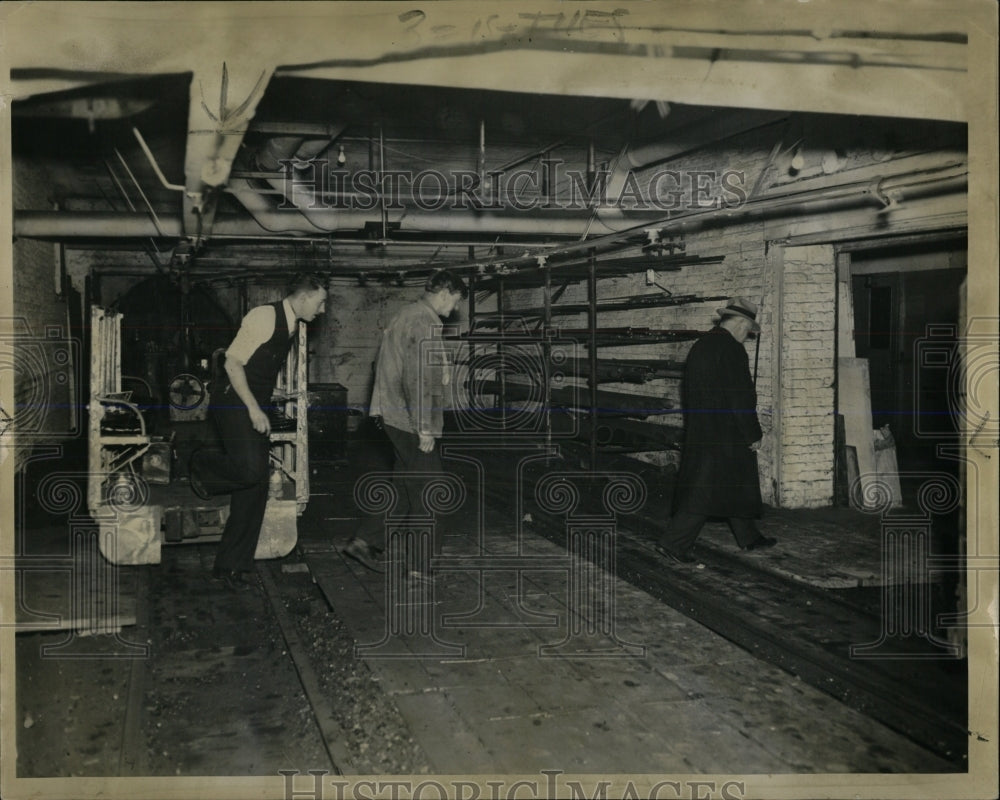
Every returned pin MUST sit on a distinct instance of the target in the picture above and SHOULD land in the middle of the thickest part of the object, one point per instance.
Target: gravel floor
(218, 693)
(374, 731)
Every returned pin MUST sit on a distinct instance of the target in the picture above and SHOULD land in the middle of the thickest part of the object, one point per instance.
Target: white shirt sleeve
(256, 329)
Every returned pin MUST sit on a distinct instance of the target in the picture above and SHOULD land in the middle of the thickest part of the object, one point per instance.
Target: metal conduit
(67, 224)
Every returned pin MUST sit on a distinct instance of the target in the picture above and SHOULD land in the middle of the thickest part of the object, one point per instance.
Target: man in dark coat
(718, 474)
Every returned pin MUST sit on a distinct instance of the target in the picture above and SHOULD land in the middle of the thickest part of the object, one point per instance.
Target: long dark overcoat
(718, 474)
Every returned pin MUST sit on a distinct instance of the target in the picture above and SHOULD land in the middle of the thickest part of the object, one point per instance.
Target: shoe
(761, 542)
(197, 486)
(232, 579)
(363, 553)
(687, 557)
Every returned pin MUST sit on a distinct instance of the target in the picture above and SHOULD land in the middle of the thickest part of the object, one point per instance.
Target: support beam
(224, 99)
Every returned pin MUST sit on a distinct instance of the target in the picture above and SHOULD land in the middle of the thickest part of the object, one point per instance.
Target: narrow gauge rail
(805, 630)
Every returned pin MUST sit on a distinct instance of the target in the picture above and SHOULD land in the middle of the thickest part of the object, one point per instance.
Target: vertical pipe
(117, 364)
(500, 356)
(107, 355)
(93, 414)
(381, 184)
(302, 489)
(59, 258)
(185, 327)
(546, 187)
(481, 166)
(842, 260)
(244, 299)
(547, 356)
(112, 328)
(776, 255)
(592, 355)
(71, 388)
(472, 288)
(591, 167)
(900, 346)
(756, 353)
(464, 394)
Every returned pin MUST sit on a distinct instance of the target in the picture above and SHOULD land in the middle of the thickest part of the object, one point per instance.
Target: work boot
(232, 579)
(761, 542)
(363, 553)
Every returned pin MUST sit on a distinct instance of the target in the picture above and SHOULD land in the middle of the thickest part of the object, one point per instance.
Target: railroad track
(263, 677)
(805, 630)
(327, 719)
(802, 629)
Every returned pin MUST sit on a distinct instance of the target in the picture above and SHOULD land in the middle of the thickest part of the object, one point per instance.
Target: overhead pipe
(693, 136)
(880, 192)
(281, 148)
(117, 225)
(318, 218)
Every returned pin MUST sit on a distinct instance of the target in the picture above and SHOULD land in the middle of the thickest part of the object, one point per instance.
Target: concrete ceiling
(166, 124)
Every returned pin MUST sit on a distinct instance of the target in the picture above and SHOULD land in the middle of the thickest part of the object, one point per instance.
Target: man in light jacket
(409, 393)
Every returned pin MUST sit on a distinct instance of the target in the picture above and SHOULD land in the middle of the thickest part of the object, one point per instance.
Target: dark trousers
(409, 458)
(242, 471)
(409, 490)
(684, 527)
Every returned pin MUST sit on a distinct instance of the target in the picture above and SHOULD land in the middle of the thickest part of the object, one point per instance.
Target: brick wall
(808, 336)
(46, 355)
(355, 319)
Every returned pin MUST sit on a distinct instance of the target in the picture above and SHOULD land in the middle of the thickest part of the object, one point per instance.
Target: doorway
(903, 299)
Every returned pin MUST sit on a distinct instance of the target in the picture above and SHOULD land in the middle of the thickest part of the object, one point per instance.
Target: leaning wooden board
(855, 404)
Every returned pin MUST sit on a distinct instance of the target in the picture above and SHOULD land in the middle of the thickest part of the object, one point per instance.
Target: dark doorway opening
(908, 306)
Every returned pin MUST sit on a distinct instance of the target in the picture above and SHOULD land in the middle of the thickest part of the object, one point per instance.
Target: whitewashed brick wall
(43, 377)
(808, 325)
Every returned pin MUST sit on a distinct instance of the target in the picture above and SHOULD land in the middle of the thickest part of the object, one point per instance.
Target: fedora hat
(740, 307)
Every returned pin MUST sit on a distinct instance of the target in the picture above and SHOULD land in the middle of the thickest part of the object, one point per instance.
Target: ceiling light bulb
(341, 158)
